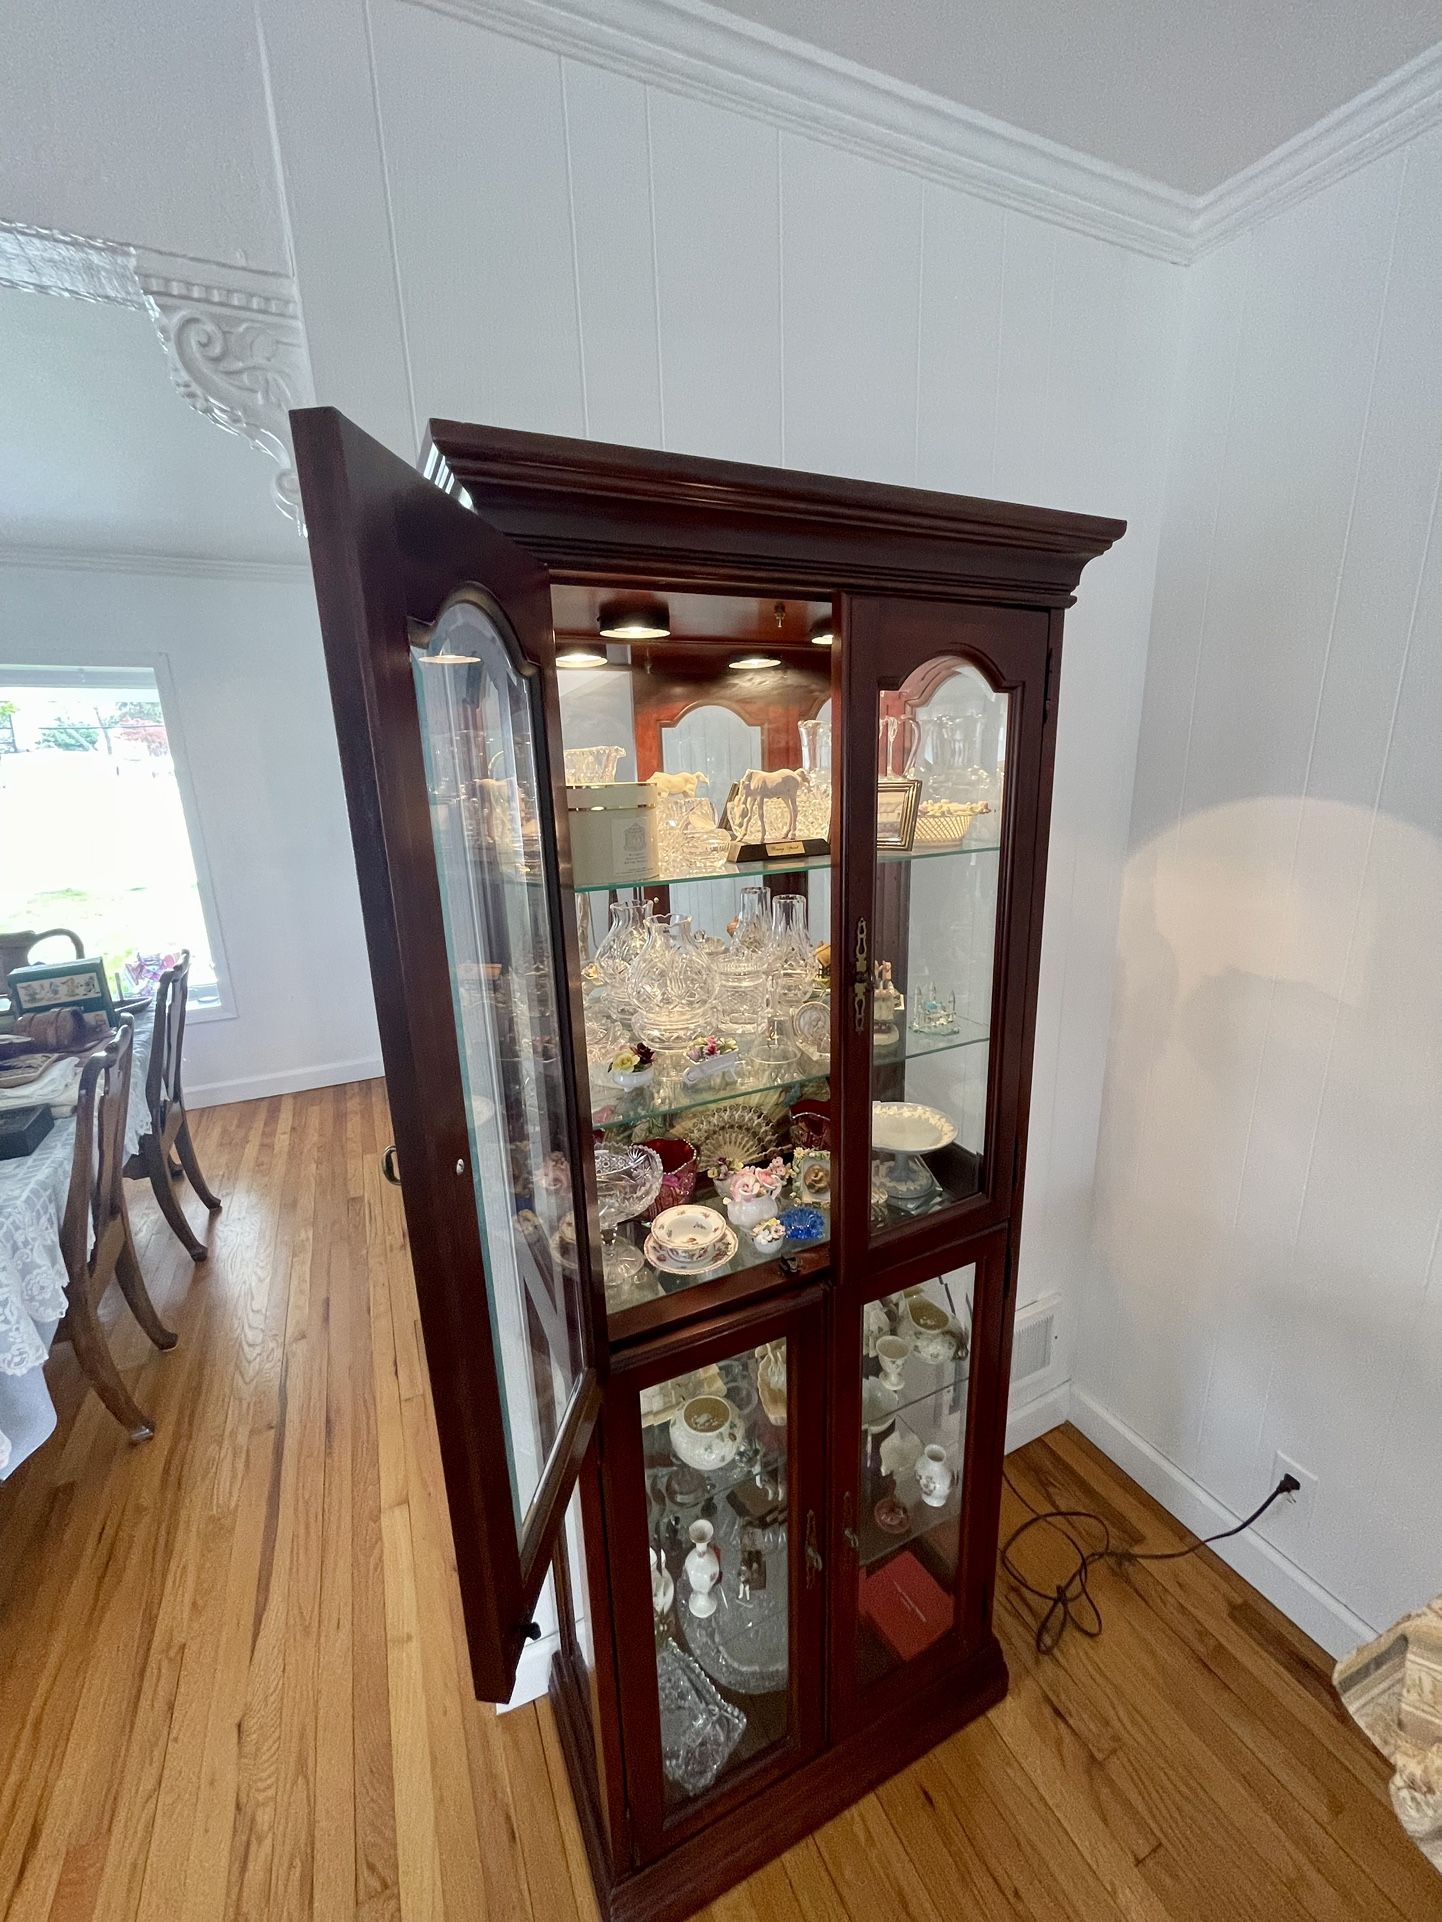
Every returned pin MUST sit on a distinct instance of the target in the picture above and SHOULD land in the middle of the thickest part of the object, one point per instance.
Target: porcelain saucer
(691, 1270)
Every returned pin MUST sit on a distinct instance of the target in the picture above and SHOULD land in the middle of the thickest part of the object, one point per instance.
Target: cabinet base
(704, 1866)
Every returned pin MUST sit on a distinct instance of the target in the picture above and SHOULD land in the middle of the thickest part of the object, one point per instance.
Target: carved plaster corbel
(238, 358)
(232, 336)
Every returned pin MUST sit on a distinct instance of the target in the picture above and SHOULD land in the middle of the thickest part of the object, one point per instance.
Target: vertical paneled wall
(574, 251)
(1270, 1179)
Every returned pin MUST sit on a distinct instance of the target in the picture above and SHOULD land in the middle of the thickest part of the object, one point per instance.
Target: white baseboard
(1024, 1424)
(1314, 1609)
(325, 1074)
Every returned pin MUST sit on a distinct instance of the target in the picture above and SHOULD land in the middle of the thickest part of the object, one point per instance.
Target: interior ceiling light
(756, 660)
(581, 657)
(822, 633)
(634, 619)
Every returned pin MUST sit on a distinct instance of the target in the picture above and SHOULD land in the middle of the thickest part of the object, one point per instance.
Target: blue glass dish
(803, 1225)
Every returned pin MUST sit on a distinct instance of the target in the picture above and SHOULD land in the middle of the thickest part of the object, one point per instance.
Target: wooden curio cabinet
(753, 768)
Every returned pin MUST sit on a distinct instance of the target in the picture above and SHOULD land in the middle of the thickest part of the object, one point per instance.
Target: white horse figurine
(671, 784)
(756, 787)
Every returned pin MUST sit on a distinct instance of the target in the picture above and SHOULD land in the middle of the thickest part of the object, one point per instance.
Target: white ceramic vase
(703, 1570)
(933, 1475)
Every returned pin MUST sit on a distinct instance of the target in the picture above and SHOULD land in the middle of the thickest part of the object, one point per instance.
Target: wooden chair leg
(170, 1207)
(132, 1285)
(98, 1365)
(185, 1147)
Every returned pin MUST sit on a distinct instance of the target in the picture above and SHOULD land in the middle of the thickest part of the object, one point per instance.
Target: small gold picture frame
(896, 805)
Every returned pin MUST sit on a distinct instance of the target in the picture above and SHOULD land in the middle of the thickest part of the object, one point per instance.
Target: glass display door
(436, 629)
(717, 1566)
(943, 750)
(909, 1593)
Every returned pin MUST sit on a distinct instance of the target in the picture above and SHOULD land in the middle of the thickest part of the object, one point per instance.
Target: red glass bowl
(811, 1124)
(678, 1174)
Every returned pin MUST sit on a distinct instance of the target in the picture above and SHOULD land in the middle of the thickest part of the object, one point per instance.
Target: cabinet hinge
(1046, 685)
(1006, 1279)
(1015, 1159)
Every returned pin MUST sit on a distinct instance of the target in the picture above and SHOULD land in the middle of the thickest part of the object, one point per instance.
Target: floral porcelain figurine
(768, 1235)
(753, 1192)
(887, 1001)
(703, 1570)
(633, 1066)
(710, 1057)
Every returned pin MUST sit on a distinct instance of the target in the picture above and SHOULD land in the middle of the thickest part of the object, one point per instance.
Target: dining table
(33, 1190)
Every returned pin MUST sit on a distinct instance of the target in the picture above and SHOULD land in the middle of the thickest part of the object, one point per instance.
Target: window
(93, 830)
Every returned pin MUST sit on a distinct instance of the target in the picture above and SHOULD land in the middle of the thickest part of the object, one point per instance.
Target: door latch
(813, 1553)
(388, 1166)
(861, 977)
(853, 1540)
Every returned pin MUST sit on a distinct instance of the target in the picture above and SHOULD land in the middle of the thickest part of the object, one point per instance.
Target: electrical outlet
(1288, 1522)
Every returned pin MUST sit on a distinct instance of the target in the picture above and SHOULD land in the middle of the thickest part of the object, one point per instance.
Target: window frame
(144, 674)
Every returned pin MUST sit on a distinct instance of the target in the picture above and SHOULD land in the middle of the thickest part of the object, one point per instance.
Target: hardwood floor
(232, 1681)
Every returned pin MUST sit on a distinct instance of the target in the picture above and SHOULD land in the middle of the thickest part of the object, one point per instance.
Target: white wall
(593, 256)
(140, 121)
(251, 717)
(1266, 1268)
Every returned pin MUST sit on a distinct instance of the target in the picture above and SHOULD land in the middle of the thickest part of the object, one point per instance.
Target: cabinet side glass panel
(915, 1376)
(699, 791)
(478, 727)
(941, 755)
(717, 1495)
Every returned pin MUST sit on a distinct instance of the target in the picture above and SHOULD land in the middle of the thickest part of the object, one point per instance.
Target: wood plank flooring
(232, 1679)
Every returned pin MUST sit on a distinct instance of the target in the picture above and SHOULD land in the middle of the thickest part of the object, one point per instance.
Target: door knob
(388, 1166)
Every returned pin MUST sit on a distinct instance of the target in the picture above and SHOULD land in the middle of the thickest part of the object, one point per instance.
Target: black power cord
(1067, 1598)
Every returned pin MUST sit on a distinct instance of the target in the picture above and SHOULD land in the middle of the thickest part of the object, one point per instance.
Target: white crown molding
(35, 554)
(692, 48)
(1396, 110)
(232, 336)
(688, 47)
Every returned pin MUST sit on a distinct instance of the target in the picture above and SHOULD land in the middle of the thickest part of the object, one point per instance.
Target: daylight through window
(93, 834)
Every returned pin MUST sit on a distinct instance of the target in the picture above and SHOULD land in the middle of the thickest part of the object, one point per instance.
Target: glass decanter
(672, 985)
(741, 966)
(791, 963)
(624, 940)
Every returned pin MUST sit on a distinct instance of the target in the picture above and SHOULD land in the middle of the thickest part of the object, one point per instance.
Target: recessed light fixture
(634, 618)
(822, 632)
(581, 657)
(756, 660)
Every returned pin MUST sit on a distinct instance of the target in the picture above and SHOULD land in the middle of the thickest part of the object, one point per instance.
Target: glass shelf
(911, 1045)
(655, 1283)
(800, 864)
(926, 1380)
(666, 1096)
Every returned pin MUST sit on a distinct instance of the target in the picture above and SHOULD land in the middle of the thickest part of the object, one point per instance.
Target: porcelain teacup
(689, 1234)
(891, 1352)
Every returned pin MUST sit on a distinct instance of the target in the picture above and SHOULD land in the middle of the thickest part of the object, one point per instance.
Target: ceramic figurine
(663, 1588)
(933, 1476)
(875, 1322)
(887, 1001)
(703, 1570)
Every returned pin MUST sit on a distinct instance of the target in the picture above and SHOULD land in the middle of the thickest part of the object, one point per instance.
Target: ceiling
(99, 452)
(1187, 92)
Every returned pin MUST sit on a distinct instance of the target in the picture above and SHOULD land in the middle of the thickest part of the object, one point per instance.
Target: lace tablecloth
(32, 1275)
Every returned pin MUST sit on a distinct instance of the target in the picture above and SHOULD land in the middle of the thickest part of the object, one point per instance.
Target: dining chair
(95, 1231)
(168, 1135)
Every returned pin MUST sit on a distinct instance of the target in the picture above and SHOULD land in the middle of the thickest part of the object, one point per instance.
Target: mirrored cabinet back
(700, 815)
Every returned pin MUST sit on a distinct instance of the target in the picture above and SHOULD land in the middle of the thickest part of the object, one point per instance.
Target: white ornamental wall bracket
(232, 337)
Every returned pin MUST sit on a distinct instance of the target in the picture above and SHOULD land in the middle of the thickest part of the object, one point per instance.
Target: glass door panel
(941, 759)
(915, 1384)
(478, 730)
(717, 1467)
